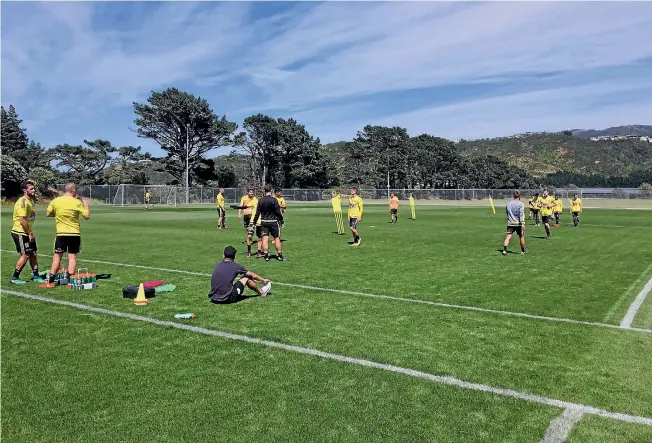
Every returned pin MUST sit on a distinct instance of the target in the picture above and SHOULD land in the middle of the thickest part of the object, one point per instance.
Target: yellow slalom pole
(337, 211)
(491, 202)
(412, 208)
(570, 206)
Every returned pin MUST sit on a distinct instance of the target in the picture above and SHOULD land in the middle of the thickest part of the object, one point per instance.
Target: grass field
(401, 323)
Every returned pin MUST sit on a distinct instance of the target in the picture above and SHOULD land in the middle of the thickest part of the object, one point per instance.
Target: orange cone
(140, 299)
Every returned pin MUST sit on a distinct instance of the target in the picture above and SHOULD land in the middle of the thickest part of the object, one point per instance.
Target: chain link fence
(126, 194)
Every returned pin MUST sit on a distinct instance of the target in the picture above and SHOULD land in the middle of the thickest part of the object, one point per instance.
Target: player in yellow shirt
(221, 211)
(66, 210)
(557, 210)
(393, 207)
(23, 235)
(281, 202)
(246, 210)
(547, 204)
(355, 215)
(576, 209)
(148, 197)
(536, 208)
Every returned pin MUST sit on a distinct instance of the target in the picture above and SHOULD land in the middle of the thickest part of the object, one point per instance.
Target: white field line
(625, 295)
(561, 426)
(446, 380)
(378, 296)
(636, 305)
(615, 226)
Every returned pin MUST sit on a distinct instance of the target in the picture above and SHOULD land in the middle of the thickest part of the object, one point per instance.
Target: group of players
(543, 209)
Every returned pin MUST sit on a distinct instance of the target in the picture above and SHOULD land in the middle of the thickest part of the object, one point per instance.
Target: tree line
(264, 149)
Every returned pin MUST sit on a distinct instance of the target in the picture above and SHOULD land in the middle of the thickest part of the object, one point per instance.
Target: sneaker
(548, 238)
(259, 255)
(249, 254)
(267, 289)
(280, 258)
(524, 252)
(504, 252)
(39, 279)
(47, 285)
(267, 258)
(17, 281)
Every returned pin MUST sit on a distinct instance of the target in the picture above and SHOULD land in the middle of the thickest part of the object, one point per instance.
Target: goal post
(127, 194)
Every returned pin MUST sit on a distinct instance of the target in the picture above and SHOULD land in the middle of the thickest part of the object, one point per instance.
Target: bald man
(66, 210)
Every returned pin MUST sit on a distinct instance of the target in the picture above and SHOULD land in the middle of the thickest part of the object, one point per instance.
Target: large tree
(184, 126)
(13, 176)
(84, 163)
(128, 167)
(261, 141)
(14, 138)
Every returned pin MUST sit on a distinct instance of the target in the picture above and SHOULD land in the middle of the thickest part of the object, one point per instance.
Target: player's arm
(279, 212)
(49, 212)
(257, 216)
(84, 210)
(256, 277)
(240, 209)
(361, 207)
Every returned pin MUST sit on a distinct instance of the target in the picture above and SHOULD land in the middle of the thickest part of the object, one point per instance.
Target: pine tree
(13, 137)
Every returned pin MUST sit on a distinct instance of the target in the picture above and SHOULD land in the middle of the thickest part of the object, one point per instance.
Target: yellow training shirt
(254, 202)
(148, 196)
(66, 211)
(559, 206)
(220, 201)
(281, 202)
(393, 203)
(355, 206)
(23, 208)
(576, 205)
(250, 202)
(547, 204)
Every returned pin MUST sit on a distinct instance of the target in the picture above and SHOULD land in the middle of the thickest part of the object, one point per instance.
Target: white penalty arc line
(560, 427)
(385, 297)
(636, 305)
(445, 380)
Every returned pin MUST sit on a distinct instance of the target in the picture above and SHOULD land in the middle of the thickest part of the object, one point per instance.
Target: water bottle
(185, 316)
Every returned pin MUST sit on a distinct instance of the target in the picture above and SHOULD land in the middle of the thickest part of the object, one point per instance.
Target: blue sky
(456, 70)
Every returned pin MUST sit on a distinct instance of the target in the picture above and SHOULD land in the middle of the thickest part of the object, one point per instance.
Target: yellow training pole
(491, 202)
(412, 208)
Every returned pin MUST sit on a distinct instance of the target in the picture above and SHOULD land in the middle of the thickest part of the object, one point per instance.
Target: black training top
(224, 274)
(268, 210)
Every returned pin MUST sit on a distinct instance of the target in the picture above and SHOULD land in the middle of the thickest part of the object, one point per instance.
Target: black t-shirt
(224, 275)
(268, 210)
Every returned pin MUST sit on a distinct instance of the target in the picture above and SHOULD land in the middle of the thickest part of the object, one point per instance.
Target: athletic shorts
(576, 214)
(247, 220)
(271, 228)
(23, 243)
(146, 202)
(518, 230)
(393, 211)
(236, 292)
(353, 223)
(221, 212)
(67, 243)
(545, 219)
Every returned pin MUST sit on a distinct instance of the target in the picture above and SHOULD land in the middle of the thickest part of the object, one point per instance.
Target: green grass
(103, 378)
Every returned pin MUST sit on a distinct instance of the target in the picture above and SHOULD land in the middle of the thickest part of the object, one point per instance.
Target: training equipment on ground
(163, 288)
(82, 280)
(140, 299)
(491, 202)
(337, 211)
(131, 292)
(189, 315)
(413, 211)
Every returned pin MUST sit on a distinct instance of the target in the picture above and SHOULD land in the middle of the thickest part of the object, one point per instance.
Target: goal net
(135, 195)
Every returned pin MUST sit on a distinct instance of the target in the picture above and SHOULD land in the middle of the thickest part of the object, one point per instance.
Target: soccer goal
(135, 195)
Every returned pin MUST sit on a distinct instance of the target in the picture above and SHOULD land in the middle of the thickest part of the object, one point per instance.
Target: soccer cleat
(280, 258)
(267, 289)
(47, 285)
(17, 281)
(39, 279)
(504, 252)
(524, 252)
(548, 238)
(249, 254)
(267, 258)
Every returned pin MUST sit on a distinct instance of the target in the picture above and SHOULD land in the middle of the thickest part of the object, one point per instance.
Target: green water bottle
(185, 316)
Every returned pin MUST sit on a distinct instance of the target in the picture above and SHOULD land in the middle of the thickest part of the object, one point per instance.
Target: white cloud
(329, 63)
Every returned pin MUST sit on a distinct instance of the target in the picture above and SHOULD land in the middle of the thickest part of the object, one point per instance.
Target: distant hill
(547, 153)
(638, 130)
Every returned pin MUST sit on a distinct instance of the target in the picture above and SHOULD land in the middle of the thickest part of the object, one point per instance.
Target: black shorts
(545, 219)
(67, 243)
(576, 214)
(518, 230)
(236, 292)
(271, 228)
(535, 211)
(146, 201)
(247, 220)
(221, 212)
(353, 223)
(23, 243)
(393, 211)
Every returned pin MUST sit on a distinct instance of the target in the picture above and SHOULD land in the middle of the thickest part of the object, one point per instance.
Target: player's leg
(508, 238)
(219, 218)
(21, 248)
(521, 237)
(33, 261)
(546, 225)
(353, 225)
(224, 226)
(250, 235)
(275, 232)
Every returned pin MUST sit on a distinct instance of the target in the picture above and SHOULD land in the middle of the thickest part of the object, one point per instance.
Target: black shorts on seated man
(230, 279)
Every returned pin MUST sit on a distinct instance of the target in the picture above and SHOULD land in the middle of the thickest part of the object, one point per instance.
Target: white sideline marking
(561, 426)
(625, 295)
(384, 297)
(636, 305)
(446, 380)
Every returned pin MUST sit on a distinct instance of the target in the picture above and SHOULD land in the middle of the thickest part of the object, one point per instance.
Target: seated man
(225, 288)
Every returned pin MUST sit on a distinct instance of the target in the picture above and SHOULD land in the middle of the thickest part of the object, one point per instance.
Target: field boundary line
(385, 297)
(629, 289)
(560, 427)
(636, 305)
(441, 379)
